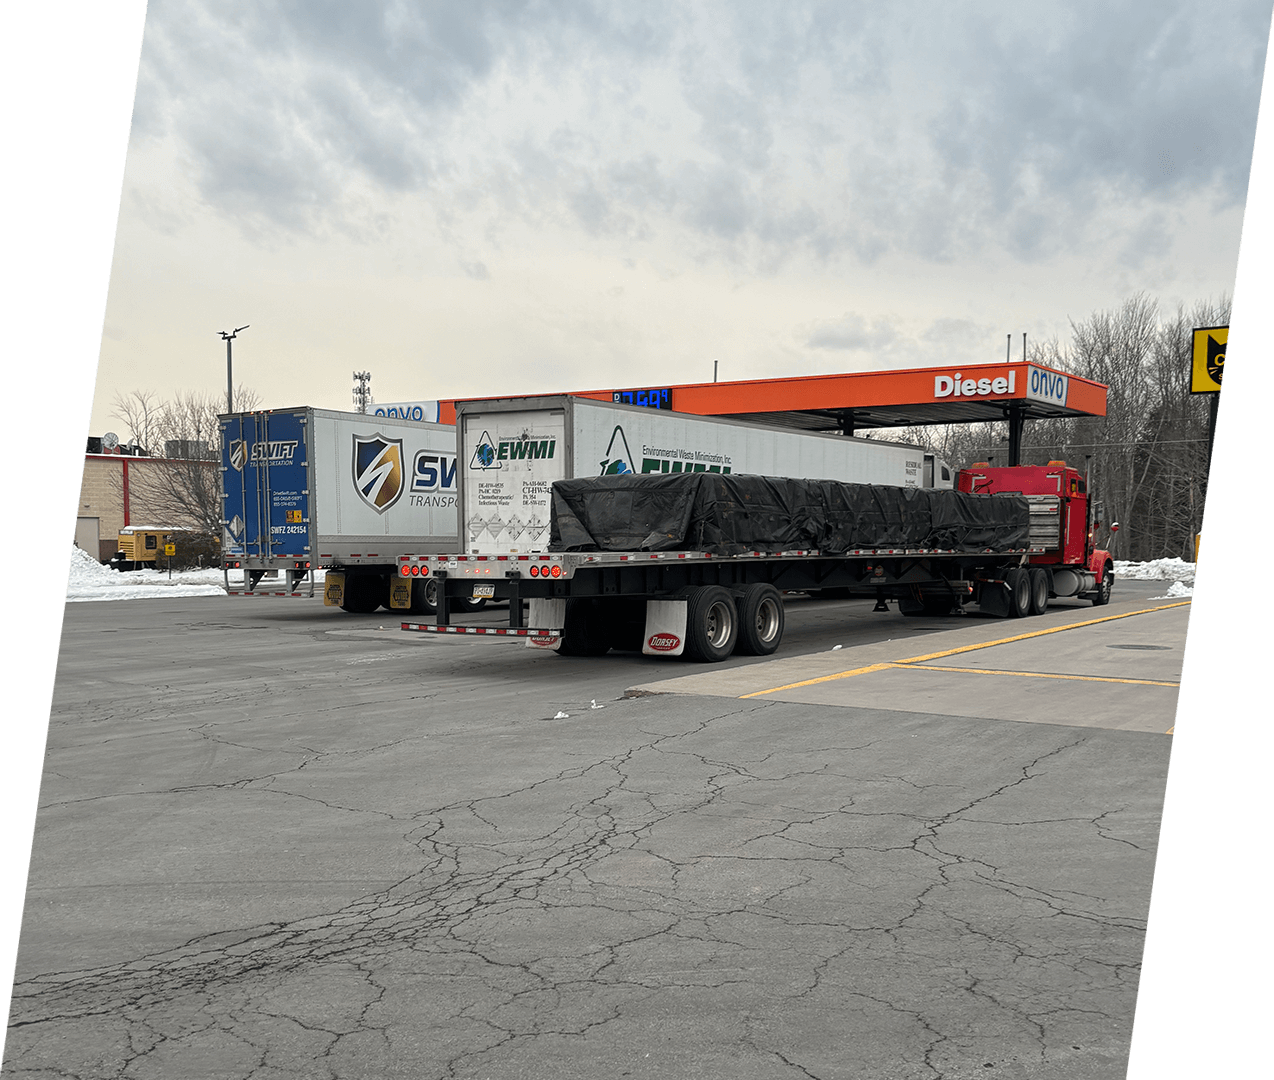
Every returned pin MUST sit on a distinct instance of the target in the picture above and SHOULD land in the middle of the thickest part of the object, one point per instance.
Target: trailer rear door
(265, 472)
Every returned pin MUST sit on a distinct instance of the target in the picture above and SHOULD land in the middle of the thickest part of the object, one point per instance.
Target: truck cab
(1062, 519)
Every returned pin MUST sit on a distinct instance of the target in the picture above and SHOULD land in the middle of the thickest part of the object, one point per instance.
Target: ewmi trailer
(512, 450)
(1008, 540)
(306, 488)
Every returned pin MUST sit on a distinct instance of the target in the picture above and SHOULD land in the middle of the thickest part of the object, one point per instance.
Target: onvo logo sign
(958, 386)
(664, 642)
(1050, 386)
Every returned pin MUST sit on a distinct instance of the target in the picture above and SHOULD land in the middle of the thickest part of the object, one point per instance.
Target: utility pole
(227, 337)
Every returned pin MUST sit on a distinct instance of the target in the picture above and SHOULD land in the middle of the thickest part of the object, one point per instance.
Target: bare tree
(181, 486)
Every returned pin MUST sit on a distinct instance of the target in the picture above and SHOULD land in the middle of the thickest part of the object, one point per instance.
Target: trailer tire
(362, 593)
(472, 603)
(1102, 595)
(760, 620)
(424, 596)
(712, 624)
(625, 623)
(1018, 581)
(1039, 590)
(584, 629)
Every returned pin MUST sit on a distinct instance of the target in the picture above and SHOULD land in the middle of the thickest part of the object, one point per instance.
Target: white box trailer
(511, 450)
(306, 488)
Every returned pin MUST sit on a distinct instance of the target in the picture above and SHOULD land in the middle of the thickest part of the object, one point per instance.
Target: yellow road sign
(1209, 359)
(170, 549)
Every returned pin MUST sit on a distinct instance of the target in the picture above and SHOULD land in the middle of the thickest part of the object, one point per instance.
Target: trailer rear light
(404, 571)
(535, 571)
(556, 571)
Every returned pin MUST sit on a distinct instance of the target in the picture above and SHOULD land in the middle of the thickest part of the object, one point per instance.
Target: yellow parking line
(1041, 633)
(962, 649)
(1038, 675)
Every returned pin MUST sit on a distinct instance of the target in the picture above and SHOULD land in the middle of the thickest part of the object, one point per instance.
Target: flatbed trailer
(707, 606)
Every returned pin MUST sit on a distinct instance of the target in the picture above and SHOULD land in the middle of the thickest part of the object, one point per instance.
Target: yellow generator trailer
(140, 546)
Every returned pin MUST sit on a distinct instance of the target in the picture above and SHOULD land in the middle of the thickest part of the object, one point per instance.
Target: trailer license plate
(486, 592)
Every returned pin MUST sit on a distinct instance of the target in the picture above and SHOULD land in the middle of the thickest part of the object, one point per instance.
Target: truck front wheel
(1102, 594)
(760, 620)
(712, 624)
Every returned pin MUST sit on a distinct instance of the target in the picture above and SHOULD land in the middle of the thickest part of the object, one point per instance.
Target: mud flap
(550, 616)
(399, 594)
(994, 598)
(665, 628)
(334, 589)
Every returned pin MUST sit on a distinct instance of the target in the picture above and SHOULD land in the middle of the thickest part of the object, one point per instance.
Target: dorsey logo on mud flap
(664, 642)
(378, 470)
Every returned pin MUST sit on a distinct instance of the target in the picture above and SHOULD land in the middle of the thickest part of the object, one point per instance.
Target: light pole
(228, 337)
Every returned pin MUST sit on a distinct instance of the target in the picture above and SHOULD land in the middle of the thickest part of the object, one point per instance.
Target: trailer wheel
(1102, 595)
(760, 620)
(472, 603)
(625, 621)
(712, 624)
(362, 593)
(1039, 590)
(584, 629)
(424, 596)
(1019, 583)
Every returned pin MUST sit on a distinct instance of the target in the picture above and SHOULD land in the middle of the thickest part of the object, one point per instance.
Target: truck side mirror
(1114, 526)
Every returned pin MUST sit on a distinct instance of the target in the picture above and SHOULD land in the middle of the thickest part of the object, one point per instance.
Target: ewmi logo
(618, 459)
(378, 470)
(489, 454)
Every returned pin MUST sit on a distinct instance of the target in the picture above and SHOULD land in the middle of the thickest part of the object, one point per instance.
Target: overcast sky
(484, 198)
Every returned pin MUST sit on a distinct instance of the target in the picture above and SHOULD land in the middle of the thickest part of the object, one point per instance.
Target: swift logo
(378, 470)
(664, 642)
(273, 452)
(432, 471)
(238, 454)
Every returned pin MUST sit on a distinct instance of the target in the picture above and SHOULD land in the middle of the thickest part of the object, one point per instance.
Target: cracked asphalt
(276, 841)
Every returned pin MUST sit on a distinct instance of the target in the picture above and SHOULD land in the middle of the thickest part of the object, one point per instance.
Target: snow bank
(1178, 571)
(91, 580)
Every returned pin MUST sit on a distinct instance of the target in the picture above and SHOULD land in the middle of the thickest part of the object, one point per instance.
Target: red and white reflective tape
(242, 592)
(495, 631)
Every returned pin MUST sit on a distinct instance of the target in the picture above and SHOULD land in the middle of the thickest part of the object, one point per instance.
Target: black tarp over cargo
(726, 514)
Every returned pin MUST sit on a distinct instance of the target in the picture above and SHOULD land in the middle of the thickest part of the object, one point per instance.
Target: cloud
(852, 332)
(753, 133)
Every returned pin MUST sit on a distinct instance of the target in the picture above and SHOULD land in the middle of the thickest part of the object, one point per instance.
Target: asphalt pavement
(278, 841)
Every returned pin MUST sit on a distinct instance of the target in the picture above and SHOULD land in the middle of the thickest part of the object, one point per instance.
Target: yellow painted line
(962, 649)
(1037, 675)
(1171, 730)
(823, 678)
(1040, 633)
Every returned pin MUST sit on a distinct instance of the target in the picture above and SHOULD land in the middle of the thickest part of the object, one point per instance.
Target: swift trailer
(304, 489)
(696, 564)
